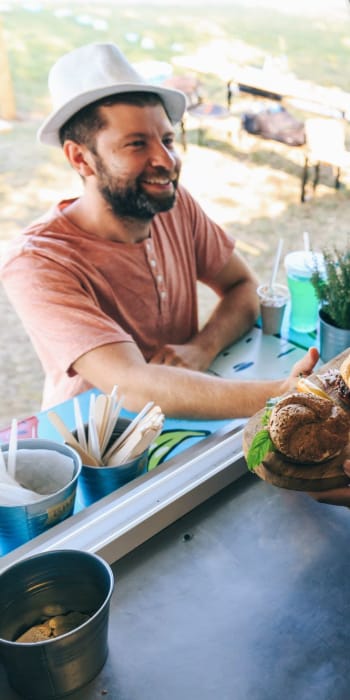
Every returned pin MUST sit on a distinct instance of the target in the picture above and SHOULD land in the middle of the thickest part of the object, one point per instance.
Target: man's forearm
(180, 393)
(233, 316)
(189, 394)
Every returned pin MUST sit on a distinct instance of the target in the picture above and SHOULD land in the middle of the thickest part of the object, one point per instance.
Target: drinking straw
(112, 421)
(79, 423)
(93, 442)
(12, 450)
(276, 263)
(306, 240)
(3, 469)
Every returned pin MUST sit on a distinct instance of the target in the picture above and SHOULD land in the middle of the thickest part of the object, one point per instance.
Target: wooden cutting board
(277, 470)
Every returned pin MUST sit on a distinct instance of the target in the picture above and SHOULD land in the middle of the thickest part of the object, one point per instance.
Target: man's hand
(303, 367)
(189, 356)
(335, 497)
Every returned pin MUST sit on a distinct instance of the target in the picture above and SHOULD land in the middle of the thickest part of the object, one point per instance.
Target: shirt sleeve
(213, 246)
(63, 320)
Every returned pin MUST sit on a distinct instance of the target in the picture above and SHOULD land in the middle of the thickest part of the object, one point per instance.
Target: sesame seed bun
(307, 428)
(344, 370)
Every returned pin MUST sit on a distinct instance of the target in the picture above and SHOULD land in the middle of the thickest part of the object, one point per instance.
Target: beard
(128, 199)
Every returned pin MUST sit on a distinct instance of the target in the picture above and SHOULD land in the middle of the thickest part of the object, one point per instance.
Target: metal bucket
(97, 482)
(47, 585)
(20, 523)
(333, 340)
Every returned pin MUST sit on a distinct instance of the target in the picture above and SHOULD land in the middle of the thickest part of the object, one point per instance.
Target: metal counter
(244, 598)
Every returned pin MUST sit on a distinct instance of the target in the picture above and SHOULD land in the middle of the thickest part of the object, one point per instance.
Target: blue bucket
(20, 523)
(97, 482)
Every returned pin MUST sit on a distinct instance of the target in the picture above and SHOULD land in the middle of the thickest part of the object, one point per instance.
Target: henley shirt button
(163, 295)
(153, 262)
(159, 278)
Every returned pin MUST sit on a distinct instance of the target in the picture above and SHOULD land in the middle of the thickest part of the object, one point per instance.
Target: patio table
(287, 88)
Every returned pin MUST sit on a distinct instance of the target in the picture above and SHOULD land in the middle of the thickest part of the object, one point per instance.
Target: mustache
(172, 174)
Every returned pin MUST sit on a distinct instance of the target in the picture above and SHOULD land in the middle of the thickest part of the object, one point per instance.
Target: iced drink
(299, 266)
(273, 301)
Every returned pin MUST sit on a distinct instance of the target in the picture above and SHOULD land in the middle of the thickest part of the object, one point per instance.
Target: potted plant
(332, 288)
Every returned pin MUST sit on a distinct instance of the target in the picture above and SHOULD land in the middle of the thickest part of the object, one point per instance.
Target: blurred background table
(287, 87)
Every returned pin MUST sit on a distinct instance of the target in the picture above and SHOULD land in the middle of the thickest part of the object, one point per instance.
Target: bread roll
(337, 381)
(344, 370)
(307, 428)
(37, 633)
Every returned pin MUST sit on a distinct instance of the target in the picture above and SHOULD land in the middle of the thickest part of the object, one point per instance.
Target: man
(106, 283)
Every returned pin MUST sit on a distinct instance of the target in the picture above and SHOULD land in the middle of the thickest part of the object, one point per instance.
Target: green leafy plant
(261, 443)
(332, 286)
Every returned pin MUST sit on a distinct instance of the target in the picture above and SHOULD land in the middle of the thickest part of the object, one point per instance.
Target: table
(278, 86)
(270, 83)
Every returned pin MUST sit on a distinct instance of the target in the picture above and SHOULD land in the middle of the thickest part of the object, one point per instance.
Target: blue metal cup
(20, 523)
(43, 586)
(97, 482)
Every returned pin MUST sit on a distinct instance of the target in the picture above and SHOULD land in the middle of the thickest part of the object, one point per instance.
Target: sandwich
(338, 381)
(303, 428)
(307, 428)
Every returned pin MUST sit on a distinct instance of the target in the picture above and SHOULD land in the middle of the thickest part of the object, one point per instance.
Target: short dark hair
(83, 126)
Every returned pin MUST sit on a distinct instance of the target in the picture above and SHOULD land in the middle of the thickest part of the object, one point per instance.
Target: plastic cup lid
(279, 292)
(303, 262)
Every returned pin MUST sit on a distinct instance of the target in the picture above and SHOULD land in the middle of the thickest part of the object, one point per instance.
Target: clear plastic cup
(273, 301)
(299, 266)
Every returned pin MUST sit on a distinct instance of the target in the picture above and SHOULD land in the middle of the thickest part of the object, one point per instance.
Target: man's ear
(80, 158)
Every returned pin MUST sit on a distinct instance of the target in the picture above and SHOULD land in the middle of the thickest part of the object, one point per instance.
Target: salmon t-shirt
(75, 291)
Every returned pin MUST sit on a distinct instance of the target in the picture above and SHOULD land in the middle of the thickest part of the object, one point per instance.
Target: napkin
(39, 473)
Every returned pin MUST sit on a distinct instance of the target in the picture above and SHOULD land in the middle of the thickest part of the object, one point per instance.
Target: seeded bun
(306, 428)
(337, 381)
(344, 371)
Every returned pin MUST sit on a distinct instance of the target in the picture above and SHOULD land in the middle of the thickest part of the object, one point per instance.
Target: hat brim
(174, 102)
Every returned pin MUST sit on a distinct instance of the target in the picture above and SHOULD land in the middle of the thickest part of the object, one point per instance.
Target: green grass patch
(316, 50)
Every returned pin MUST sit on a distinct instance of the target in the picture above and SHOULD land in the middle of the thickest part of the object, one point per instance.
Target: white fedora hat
(89, 73)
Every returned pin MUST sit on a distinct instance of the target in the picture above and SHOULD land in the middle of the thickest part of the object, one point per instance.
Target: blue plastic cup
(20, 523)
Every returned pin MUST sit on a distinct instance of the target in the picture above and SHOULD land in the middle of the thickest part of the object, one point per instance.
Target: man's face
(136, 165)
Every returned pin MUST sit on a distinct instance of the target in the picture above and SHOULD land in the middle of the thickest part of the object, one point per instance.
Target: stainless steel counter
(244, 598)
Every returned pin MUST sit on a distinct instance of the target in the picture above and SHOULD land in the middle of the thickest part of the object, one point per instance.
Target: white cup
(273, 301)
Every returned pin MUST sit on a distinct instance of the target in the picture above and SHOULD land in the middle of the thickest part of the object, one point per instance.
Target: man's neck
(100, 221)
